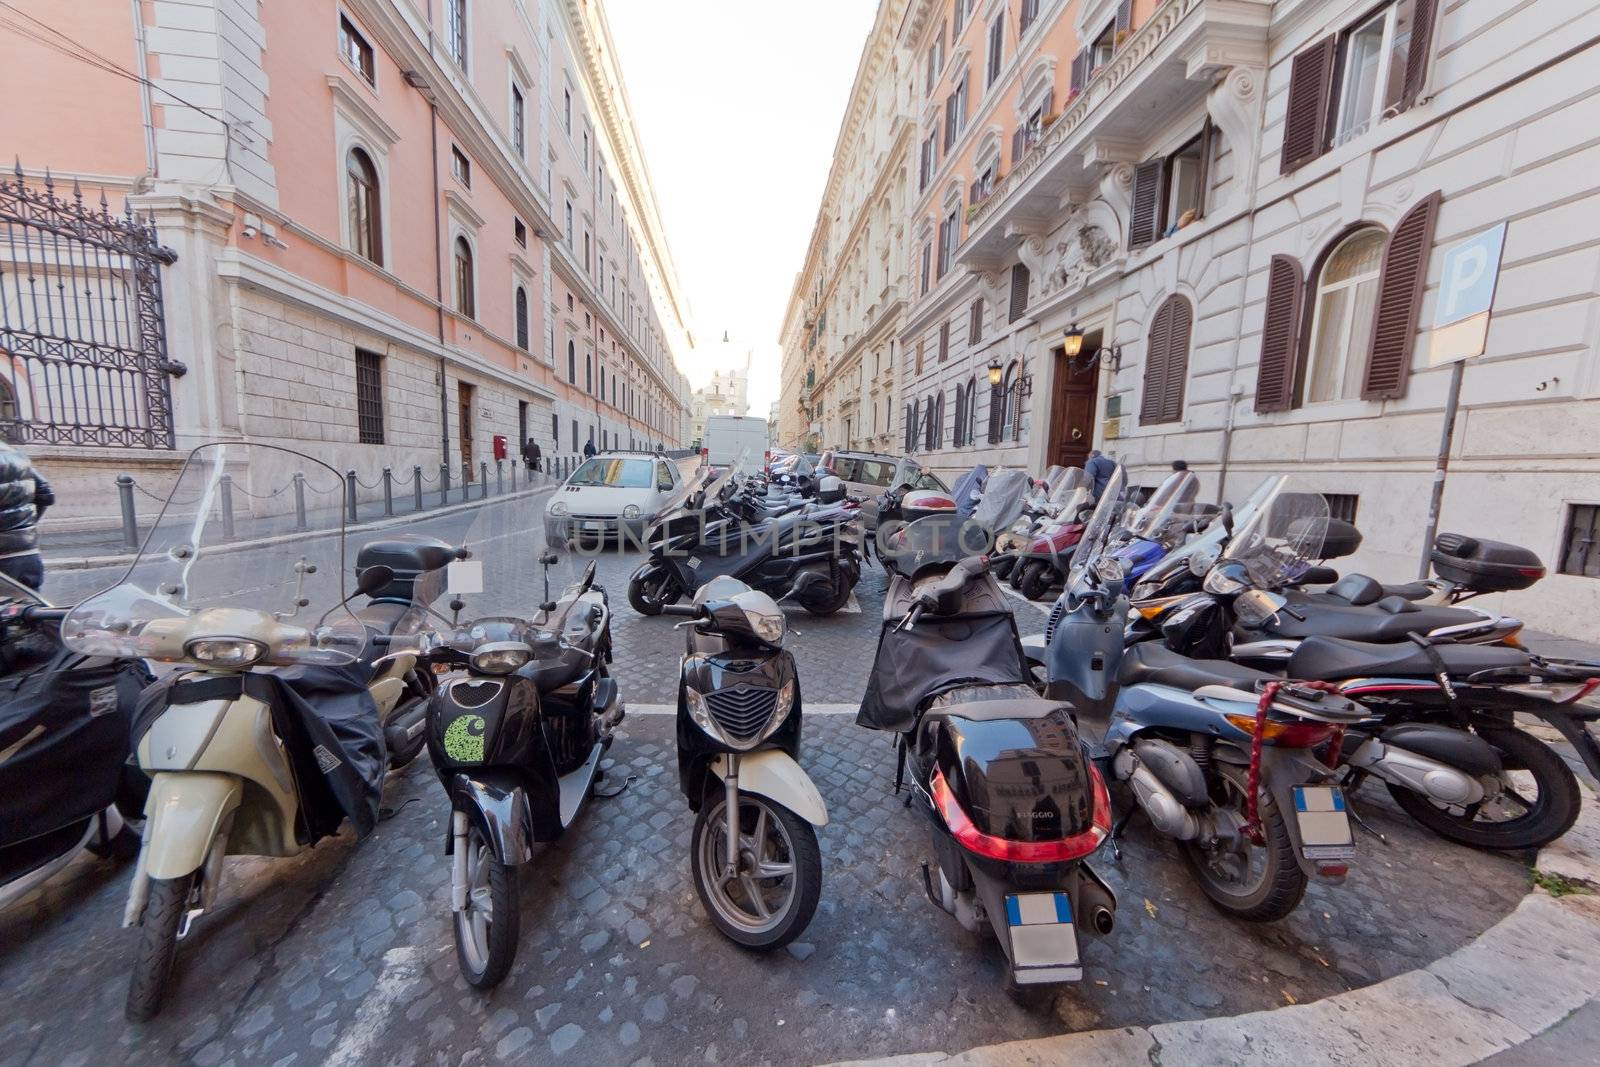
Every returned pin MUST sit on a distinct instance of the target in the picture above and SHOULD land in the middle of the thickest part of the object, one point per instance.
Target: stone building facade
(396, 241)
(1241, 211)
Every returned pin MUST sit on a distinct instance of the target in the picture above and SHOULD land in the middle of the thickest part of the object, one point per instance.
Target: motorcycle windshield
(1281, 535)
(1001, 501)
(1172, 504)
(1071, 494)
(1097, 530)
(245, 564)
(1052, 478)
(968, 488)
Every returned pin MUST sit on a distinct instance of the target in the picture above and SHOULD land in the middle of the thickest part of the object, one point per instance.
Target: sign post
(1460, 330)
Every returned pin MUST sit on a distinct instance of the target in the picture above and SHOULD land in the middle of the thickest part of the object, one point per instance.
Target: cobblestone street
(345, 954)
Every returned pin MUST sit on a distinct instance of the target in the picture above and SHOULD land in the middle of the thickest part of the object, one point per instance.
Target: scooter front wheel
(772, 896)
(651, 589)
(1036, 579)
(158, 943)
(486, 929)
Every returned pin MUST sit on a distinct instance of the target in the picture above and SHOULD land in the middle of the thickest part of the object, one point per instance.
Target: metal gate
(82, 331)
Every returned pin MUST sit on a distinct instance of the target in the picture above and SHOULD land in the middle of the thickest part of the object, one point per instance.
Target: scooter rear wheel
(486, 930)
(158, 943)
(650, 591)
(1260, 883)
(772, 898)
(1036, 579)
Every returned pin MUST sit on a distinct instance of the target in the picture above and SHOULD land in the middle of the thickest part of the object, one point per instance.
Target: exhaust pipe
(1098, 905)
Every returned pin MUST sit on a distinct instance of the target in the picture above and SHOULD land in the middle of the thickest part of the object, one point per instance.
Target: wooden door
(464, 396)
(1072, 409)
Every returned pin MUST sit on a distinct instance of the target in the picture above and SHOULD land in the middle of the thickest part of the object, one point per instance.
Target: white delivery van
(728, 437)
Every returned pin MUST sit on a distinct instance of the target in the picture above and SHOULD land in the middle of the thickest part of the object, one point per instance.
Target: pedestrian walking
(531, 454)
(24, 494)
(1099, 469)
(588, 449)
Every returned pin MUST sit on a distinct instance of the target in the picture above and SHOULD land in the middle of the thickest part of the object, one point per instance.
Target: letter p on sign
(1466, 295)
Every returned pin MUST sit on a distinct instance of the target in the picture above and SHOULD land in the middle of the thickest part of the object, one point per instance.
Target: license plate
(1042, 934)
(591, 526)
(694, 561)
(1325, 832)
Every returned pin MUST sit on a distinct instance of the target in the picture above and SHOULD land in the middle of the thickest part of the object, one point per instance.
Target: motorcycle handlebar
(44, 614)
(686, 610)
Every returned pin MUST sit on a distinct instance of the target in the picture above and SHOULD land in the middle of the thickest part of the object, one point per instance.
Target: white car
(613, 494)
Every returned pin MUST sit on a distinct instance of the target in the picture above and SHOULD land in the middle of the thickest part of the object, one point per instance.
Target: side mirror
(373, 578)
(549, 558)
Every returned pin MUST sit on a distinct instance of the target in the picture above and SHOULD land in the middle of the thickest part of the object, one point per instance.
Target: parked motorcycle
(1219, 757)
(266, 738)
(812, 555)
(66, 782)
(517, 729)
(1014, 808)
(754, 854)
(1043, 562)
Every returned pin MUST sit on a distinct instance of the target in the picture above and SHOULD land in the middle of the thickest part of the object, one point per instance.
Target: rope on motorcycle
(1252, 807)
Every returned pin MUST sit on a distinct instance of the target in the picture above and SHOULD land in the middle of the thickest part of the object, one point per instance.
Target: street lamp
(995, 371)
(1072, 343)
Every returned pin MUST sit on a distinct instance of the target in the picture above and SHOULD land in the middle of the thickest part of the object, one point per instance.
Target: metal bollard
(350, 496)
(388, 491)
(226, 484)
(130, 521)
(416, 475)
(444, 484)
(299, 500)
(499, 477)
(466, 480)
(483, 479)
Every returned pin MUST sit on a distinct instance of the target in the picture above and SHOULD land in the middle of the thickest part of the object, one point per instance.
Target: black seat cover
(1361, 590)
(1330, 659)
(1390, 619)
(1157, 664)
(410, 554)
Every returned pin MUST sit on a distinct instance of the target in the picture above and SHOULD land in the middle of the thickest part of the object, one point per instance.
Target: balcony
(1165, 68)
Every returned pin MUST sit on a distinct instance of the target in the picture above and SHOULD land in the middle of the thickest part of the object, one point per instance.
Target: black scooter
(812, 555)
(754, 851)
(516, 734)
(1014, 806)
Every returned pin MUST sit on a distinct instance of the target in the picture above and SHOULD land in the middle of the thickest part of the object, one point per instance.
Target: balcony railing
(1139, 46)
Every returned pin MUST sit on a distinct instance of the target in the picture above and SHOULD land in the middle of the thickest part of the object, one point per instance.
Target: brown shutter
(997, 401)
(1280, 336)
(1156, 351)
(1017, 146)
(1020, 280)
(944, 340)
(1177, 363)
(1080, 69)
(1208, 140)
(1048, 107)
(1419, 51)
(1124, 18)
(1394, 324)
(1146, 200)
(1305, 122)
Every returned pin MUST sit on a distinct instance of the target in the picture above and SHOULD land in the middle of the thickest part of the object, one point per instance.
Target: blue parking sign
(1466, 294)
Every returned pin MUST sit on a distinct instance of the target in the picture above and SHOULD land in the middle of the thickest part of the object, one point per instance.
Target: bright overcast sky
(738, 104)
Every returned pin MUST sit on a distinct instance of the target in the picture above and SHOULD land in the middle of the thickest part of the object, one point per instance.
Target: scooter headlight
(766, 625)
(501, 657)
(1226, 581)
(225, 651)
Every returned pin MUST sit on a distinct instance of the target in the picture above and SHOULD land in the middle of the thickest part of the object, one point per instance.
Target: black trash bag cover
(914, 666)
(329, 726)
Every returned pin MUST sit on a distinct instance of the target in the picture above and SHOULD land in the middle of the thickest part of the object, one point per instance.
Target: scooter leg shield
(775, 775)
(500, 809)
(184, 812)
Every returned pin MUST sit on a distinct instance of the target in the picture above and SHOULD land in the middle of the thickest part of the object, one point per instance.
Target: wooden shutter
(997, 404)
(975, 326)
(1080, 69)
(955, 437)
(949, 121)
(1394, 324)
(1419, 51)
(1017, 145)
(1019, 291)
(1305, 122)
(1146, 204)
(919, 356)
(1047, 107)
(1155, 366)
(1208, 141)
(1280, 336)
(1181, 318)
(1124, 19)
(944, 340)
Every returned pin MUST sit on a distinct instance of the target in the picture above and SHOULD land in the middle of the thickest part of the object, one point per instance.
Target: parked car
(868, 475)
(615, 494)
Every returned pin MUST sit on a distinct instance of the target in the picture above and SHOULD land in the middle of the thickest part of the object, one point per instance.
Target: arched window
(1166, 367)
(466, 304)
(588, 372)
(602, 381)
(572, 362)
(1344, 302)
(366, 228)
(522, 318)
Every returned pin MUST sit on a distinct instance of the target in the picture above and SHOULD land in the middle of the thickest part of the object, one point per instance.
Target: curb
(122, 559)
(1517, 979)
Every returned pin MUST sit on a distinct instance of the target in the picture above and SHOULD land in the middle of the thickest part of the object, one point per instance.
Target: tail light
(1060, 850)
(1297, 734)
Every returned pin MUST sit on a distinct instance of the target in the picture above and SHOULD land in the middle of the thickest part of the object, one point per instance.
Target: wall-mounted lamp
(1072, 343)
(995, 371)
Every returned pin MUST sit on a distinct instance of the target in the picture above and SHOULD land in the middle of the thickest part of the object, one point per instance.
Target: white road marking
(402, 967)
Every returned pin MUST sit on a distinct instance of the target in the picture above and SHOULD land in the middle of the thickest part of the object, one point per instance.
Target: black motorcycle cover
(914, 666)
(63, 734)
(328, 723)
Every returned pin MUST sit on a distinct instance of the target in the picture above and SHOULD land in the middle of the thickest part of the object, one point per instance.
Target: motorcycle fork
(458, 861)
(730, 805)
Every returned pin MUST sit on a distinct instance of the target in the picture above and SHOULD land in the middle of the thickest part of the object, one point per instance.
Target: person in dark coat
(24, 494)
(1180, 465)
(1099, 468)
(531, 454)
(588, 449)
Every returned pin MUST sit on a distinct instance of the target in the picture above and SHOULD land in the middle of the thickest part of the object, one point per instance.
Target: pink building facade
(398, 232)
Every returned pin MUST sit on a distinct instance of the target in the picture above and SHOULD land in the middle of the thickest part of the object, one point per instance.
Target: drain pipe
(438, 262)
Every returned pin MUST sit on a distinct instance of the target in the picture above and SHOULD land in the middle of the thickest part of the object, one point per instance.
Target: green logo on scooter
(463, 739)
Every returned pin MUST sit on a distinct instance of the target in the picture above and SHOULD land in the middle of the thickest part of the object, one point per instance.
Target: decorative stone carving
(1234, 105)
(1085, 249)
(1116, 189)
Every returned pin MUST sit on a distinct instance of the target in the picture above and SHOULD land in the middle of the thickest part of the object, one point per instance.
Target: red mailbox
(500, 446)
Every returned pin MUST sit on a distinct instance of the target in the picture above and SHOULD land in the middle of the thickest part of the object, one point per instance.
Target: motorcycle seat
(1331, 659)
(1361, 590)
(382, 616)
(992, 703)
(1389, 619)
(1156, 664)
